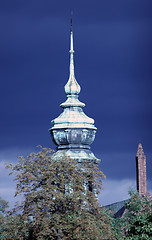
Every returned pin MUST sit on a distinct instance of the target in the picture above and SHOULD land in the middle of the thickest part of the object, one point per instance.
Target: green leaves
(58, 199)
(136, 223)
(3, 205)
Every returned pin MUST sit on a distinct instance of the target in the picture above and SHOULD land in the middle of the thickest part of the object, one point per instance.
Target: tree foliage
(57, 202)
(136, 224)
(3, 206)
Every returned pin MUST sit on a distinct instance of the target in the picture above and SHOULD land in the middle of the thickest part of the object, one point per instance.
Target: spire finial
(71, 47)
(71, 20)
(72, 87)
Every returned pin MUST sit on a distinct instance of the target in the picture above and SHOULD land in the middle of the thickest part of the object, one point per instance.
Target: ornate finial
(72, 87)
(71, 42)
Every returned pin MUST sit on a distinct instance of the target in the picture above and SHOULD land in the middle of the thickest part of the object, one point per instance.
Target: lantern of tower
(73, 131)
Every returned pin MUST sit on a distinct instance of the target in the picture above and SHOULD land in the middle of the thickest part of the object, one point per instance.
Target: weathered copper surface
(73, 131)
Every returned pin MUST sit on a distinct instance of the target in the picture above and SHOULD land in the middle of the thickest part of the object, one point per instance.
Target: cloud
(115, 190)
(7, 184)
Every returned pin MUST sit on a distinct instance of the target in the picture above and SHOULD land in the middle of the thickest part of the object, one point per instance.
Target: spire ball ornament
(72, 131)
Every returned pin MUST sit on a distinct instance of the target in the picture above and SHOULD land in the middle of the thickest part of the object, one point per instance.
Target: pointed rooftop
(140, 151)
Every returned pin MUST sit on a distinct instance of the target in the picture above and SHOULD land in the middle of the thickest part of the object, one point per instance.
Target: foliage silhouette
(57, 202)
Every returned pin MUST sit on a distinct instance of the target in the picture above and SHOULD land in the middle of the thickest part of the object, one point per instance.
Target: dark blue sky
(113, 57)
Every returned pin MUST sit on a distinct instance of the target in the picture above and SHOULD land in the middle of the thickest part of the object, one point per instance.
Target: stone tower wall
(141, 171)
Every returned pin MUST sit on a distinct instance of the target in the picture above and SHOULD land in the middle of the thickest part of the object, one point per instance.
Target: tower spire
(73, 131)
(72, 87)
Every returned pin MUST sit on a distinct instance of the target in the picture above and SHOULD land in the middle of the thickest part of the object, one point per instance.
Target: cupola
(73, 131)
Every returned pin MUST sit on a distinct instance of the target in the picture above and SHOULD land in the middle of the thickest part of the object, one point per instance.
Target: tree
(57, 202)
(137, 220)
(3, 206)
(14, 227)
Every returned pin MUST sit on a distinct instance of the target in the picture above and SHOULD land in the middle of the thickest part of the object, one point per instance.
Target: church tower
(73, 131)
(141, 171)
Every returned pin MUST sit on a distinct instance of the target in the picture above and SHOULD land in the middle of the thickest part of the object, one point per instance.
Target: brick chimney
(141, 171)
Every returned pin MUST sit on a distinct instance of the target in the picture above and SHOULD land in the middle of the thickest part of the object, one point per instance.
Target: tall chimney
(141, 171)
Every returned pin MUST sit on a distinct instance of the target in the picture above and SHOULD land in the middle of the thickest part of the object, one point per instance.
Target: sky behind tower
(113, 55)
